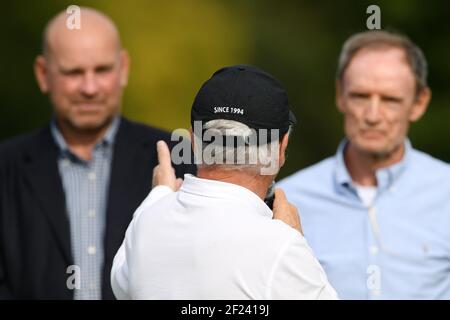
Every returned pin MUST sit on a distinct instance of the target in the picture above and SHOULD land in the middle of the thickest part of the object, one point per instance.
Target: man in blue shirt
(377, 214)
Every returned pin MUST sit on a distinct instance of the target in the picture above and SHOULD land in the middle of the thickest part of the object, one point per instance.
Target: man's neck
(256, 183)
(82, 142)
(362, 166)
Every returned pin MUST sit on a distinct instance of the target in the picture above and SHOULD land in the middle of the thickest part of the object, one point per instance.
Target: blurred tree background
(176, 45)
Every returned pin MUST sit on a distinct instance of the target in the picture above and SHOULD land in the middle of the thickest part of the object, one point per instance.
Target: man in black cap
(215, 238)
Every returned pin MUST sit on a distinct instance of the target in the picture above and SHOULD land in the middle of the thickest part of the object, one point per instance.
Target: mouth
(88, 106)
(372, 134)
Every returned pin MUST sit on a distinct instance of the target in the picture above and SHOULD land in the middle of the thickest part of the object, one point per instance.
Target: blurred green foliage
(176, 45)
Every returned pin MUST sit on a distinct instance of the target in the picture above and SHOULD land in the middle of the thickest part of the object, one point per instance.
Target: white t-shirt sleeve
(298, 275)
(119, 271)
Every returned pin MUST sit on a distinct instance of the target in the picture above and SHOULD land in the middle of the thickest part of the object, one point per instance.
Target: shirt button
(65, 163)
(372, 210)
(93, 286)
(92, 176)
(373, 250)
(91, 213)
(91, 250)
(392, 189)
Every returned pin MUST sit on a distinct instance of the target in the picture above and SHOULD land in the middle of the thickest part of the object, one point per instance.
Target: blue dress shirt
(86, 184)
(398, 247)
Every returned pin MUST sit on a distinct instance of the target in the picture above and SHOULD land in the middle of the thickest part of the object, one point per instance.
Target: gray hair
(375, 39)
(251, 157)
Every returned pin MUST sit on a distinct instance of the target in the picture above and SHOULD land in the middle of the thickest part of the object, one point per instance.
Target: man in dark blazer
(44, 221)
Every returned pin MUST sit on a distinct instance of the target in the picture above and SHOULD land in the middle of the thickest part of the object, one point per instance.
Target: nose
(372, 112)
(89, 86)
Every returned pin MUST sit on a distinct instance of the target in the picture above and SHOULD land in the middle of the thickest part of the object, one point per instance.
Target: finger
(154, 178)
(280, 193)
(178, 183)
(163, 154)
(280, 197)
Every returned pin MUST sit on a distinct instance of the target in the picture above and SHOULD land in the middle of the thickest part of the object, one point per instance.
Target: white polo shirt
(214, 240)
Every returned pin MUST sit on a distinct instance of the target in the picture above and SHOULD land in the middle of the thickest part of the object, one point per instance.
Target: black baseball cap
(245, 94)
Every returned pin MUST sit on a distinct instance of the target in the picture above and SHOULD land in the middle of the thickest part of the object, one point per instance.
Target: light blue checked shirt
(86, 185)
(396, 248)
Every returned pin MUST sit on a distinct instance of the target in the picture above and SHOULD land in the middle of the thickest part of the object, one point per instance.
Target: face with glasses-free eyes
(84, 72)
(378, 98)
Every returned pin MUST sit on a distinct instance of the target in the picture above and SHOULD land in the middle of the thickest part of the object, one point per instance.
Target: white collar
(224, 190)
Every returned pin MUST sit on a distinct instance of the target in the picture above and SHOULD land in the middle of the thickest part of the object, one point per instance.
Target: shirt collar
(224, 190)
(107, 140)
(385, 176)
